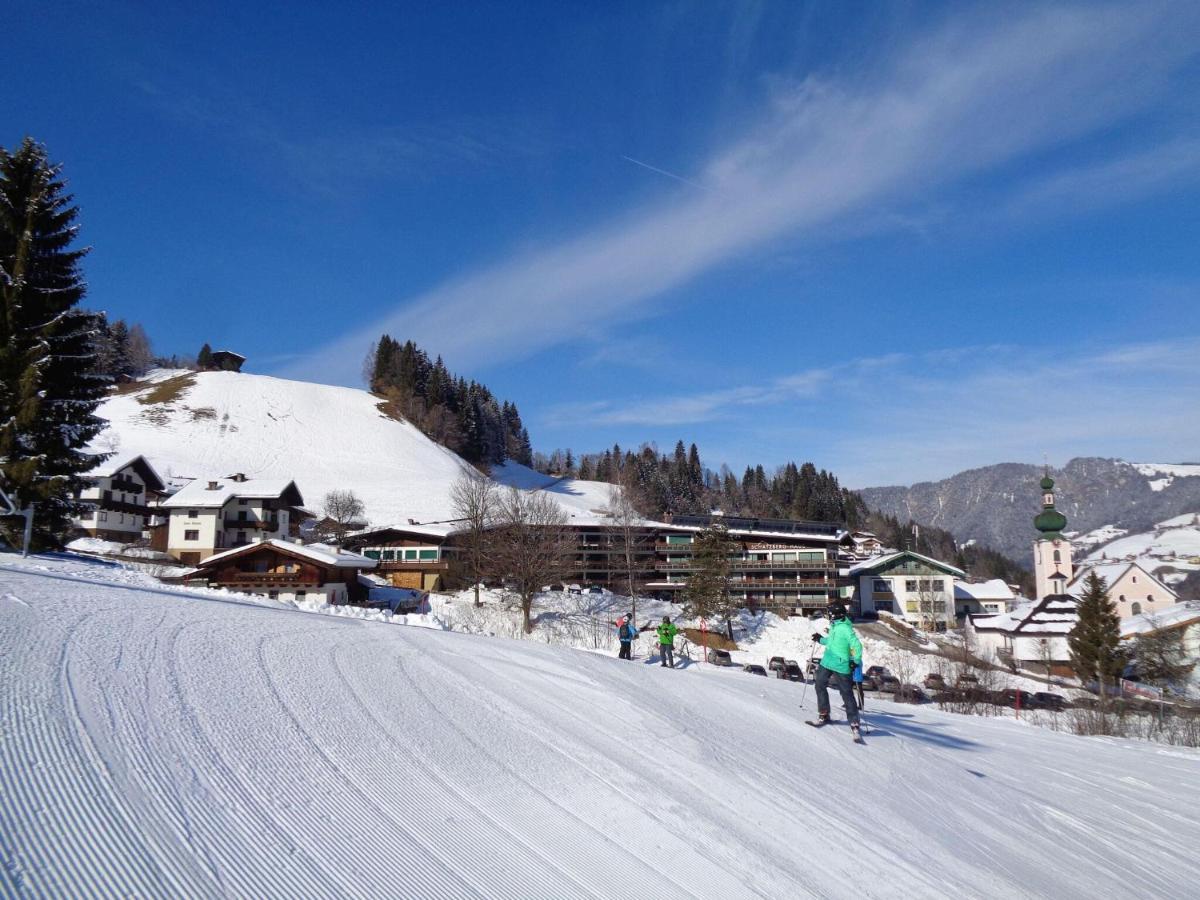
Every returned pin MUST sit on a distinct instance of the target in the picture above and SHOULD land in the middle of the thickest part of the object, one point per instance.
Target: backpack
(625, 632)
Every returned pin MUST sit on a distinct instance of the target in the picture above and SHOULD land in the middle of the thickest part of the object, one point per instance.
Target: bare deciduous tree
(531, 545)
(473, 499)
(629, 537)
(343, 511)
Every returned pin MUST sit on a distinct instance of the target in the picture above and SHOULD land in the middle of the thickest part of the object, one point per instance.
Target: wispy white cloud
(923, 415)
(972, 96)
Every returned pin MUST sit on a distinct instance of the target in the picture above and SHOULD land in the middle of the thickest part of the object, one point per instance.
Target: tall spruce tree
(204, 358)
(49, 386)
(1095, 641)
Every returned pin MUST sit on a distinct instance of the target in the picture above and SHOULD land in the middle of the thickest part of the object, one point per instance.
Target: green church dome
(1050, 522)
(1047, 483)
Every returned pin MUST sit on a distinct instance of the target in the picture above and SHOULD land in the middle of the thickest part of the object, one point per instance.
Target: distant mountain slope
(212, 424)
(995, 505)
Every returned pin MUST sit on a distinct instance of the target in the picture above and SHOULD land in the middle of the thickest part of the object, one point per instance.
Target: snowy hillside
(212, 424)
(1170, 551)
(158, 743)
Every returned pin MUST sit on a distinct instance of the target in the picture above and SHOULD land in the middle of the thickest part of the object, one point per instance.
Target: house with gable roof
(916, 587)
(1134, 590)
(282, 570)
(205, 517)
(119, 498)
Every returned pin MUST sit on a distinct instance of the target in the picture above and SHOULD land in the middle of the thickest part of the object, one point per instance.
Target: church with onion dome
(1052, 565)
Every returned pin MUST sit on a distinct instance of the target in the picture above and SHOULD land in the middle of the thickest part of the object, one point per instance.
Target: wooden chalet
(286, 571)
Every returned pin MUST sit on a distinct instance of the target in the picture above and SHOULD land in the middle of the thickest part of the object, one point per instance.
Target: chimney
(213, 486)
(238, 477)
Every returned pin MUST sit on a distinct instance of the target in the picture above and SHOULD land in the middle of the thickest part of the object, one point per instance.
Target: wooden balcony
(136, 509)
(413, 565)
(781, 584)
(752, 564)
(270, 578)
(252, 524)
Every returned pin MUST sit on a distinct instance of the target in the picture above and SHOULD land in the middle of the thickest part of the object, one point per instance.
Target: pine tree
(204, 360)
(49, 387)
(1095, 641)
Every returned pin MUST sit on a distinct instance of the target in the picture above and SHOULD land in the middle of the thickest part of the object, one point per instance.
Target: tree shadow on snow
(884, 724)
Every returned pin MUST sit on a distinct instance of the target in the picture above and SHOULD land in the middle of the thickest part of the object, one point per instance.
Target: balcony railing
(253, 524)
(288, 578)
(124, 484)
(739, 564)
(413, 565)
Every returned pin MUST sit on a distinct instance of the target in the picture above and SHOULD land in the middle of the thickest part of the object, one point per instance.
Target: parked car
(869, 615)
(792, 671)
(967, 680)
(876, 671)
(870, 683)
(934, 681)
(755, 670)
(909, 693)
(719, 657)
(1008, 697)
(595, 589)
(775, 663)
(1047, 700)
(888, 684)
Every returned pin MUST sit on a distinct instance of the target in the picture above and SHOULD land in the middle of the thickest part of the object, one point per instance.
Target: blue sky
(896, 239)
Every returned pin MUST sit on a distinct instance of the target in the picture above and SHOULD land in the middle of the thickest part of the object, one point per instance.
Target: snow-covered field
(1174, 542)
(322, 437)
(158, 742)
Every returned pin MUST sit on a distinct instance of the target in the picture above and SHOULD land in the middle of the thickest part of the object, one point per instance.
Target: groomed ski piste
(156, 742)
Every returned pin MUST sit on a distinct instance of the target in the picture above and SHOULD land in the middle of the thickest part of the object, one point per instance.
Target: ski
(817, 724)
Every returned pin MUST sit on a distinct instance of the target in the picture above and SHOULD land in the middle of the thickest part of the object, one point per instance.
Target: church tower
(1052, 566)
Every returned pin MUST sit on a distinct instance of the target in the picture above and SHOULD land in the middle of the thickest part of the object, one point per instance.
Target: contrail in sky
(638, 162)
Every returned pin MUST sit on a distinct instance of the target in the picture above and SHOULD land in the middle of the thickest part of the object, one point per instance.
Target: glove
(815, 636)
(856, 672)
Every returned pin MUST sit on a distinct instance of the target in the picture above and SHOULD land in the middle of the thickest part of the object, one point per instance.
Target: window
(1122, 598)
(103, 516)
(1149, 598)
(939, 585)
(193, 514)
(679, 539)
(911, 606)
(192, 534)
(388, 555)
(410, 554)
(910, 585)
(1057, 556)
(371, 554)
(242, 501)
(1135, 579)
(429, 554)
(300, 595)
(881, 586)
(1136, 609)
(122, 518)
(274, 595)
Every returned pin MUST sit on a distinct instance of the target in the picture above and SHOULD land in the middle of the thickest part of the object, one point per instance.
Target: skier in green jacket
(666, 642)
(843, 651)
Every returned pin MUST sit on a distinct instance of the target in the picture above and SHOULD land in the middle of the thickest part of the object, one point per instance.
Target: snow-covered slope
(212, 424)
(1170, 551)
(163, 744)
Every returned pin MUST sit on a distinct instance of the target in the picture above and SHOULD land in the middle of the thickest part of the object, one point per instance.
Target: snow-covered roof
(323, 554)
(1053, 614)
(114, 464)
(878, 562)
(438, 530)
(995, 589)
(197, 494)
(1112, 573)
(1181, 615)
